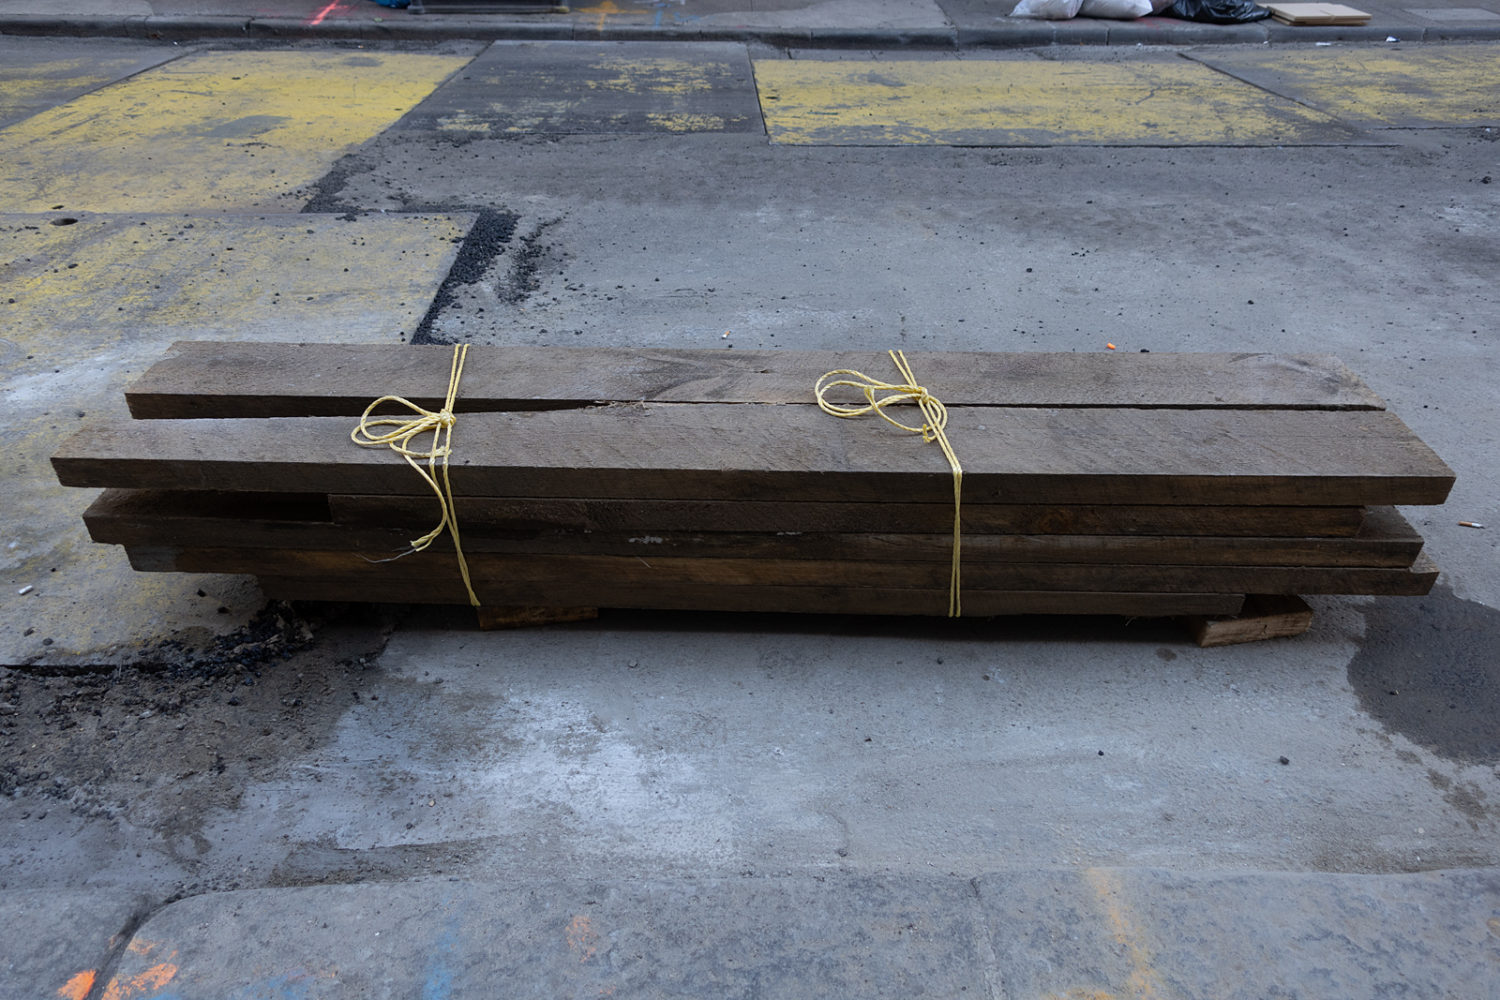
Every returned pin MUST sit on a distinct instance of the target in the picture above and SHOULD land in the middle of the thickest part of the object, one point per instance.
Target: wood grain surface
(217, 379)
(796, 453)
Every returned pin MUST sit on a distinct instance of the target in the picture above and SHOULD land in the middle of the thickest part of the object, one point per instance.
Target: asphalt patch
(161, 746)
(1428, 670)
(594, 88)
(487, 238)
(525, 266)
(323, 193)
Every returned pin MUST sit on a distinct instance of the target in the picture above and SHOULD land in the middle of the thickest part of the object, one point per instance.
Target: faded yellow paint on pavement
(85, 307)
(1429, 86)
(30, 83)
(23, 87)
(1142, 982)
(1171, 102)
(221, 131)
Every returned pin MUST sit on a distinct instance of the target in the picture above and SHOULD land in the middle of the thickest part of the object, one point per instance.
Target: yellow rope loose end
(934, 423)
(400, 440)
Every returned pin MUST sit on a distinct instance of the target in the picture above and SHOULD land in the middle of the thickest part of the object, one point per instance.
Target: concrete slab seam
(119, 945)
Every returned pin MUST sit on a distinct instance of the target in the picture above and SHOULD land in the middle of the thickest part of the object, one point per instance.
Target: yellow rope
(399, 440)
(935, 419)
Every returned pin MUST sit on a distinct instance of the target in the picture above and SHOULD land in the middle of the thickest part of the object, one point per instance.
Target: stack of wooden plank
(1140, 484)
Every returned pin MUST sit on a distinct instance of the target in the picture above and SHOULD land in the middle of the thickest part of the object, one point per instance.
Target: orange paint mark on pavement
(317, 18)
(604, 10)
(151, 980)
(77, 987)
(582, 937)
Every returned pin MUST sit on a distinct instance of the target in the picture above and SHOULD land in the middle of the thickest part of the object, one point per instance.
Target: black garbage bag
(1216, 11)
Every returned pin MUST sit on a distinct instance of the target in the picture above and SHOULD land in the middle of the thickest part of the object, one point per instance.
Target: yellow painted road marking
(1427, 87)
(85, 307)
(222, 131)
(1027, 103)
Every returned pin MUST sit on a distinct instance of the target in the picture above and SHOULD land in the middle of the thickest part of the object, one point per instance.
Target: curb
(1007, 33)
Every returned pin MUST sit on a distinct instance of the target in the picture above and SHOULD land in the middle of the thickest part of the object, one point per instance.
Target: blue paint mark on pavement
(439, 982)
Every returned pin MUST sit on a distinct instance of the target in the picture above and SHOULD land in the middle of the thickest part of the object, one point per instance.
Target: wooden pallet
(1151, 484)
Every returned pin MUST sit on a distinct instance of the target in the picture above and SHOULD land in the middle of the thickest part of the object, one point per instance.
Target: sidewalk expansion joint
(120, 943)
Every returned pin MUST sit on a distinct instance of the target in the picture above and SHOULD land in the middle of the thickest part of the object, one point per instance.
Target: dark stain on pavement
(247, 127)
(1428, 669)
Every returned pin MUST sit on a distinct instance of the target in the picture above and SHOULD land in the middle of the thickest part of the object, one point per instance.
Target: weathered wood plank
(583, 514)
(131, 511)
(547, 572)
(151, 518)
(130, 516)
(708, 451)
(763, 599)
(217, 379)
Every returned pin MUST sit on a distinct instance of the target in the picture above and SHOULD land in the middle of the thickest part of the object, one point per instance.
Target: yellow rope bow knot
(935, 421)
(439, 424)
(932, 408)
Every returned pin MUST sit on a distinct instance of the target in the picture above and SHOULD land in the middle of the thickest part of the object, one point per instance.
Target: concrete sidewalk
(1095, 934)
(867, 24)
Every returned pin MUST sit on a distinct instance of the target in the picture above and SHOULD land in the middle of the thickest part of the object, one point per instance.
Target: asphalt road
(202, 796)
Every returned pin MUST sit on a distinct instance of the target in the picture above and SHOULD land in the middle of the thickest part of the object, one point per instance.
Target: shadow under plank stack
(1136, 484)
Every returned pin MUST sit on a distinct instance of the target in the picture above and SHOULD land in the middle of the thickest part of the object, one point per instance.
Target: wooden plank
(550, 572)
(770, 599)
(216, 379)
(127, 517)
(498, 616)
(708, 451)
(1386, 540)
(1264, 616)
(582, 514)
(174, 517)
(116, 510)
